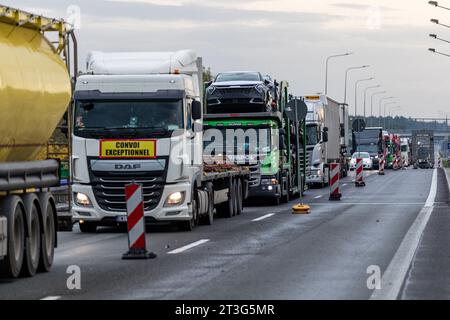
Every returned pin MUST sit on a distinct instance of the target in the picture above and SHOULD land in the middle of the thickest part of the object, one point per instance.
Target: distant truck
(326, 138)
(35, 92)
(371, 140)
(405, 151)
(277, 169)
(422, 149)
(138, 118)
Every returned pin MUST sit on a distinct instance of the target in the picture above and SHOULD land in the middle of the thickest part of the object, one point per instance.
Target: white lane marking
(394, 276)
(369, 203)
(344, 184)
(264, 217)
(317, 197)
(51, 298)
(189, 246)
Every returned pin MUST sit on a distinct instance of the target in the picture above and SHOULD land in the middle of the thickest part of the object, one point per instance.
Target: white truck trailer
(327, 138)
(138, 117)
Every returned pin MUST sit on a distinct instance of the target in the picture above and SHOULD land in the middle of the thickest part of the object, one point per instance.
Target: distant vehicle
(423, 149)
(238, 90)
(405, 151)
(326, 138)
(371, 141)
(367, 160)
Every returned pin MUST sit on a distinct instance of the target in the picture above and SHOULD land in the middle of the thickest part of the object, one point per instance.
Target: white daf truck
(138, 118)
(326, 138)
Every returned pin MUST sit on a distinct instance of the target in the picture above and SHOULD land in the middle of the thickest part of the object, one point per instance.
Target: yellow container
(35, 91)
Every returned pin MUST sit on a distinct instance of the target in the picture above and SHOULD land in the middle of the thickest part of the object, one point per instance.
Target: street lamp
(379, 107)
(436, 21)
(371, 100)
(434, 36)
(365, 96)
(356, 91)
(346, 79)
(384, 114)
(436, 4)
(326, 67)
(396, 108)
(434, 51)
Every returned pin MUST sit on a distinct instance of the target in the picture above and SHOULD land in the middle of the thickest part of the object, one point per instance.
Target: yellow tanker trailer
(35, 92)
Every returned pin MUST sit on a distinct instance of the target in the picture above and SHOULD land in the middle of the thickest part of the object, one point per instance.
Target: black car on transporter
(233, 91)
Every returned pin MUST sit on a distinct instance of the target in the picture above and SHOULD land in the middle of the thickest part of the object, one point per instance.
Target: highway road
(270, 253)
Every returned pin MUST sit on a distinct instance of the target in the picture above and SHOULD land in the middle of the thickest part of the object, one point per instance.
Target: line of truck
(198, 149)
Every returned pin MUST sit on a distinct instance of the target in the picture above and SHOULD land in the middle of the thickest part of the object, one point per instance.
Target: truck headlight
(82, 200)
(175, 199)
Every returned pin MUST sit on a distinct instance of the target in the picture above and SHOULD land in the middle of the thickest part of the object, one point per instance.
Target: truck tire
(33, 235)
(48, 232)
(193, 222)
(88, 227)
(208, 219)
(235, 198)
(226, 209)
(240, 197)
(13, 209)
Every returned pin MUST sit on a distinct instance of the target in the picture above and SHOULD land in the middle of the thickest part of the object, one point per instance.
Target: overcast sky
(289, 39)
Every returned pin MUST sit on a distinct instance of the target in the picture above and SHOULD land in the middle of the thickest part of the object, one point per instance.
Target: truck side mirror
(196, 110)
(325, 136)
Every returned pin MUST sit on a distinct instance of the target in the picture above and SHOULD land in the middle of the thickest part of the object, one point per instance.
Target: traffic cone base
(138, 254)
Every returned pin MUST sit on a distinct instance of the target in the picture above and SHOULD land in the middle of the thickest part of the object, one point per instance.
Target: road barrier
(334, 182)
(136, 224)
(359, 181)
(382, 163)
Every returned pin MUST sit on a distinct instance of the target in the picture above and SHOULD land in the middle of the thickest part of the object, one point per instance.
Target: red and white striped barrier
(136, 224)
(381, 169)
(359, 181)
(335, 171)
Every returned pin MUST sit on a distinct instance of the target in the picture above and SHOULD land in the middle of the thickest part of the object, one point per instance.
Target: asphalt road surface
(270, 253)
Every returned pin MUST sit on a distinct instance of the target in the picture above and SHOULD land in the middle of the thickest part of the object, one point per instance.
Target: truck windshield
(238, 76)
(127, 116)
(368, 148)
(312, 135)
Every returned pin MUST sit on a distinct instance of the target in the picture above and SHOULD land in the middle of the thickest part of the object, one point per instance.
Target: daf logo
(134, 166)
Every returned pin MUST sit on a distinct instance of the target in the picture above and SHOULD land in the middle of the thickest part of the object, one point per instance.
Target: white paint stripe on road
(342, 203)
(344, 184)
(264, 217)
(189, 246)
(394, 276)
(317, 197)
(51, 298)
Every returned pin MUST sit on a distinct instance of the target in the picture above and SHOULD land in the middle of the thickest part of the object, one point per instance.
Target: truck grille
(235, 92)
(109, 189)
(306, 160)
(255, 176)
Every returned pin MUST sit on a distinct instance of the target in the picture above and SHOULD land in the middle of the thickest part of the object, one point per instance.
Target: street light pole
(371, 100)
(379, 109)
(441, 53)
(356, 92)
(436, 4)
(326, 67)
(384, 120)
(390, 116)
(365, 96)
(434, 36)
(436, 21)
(346, 79)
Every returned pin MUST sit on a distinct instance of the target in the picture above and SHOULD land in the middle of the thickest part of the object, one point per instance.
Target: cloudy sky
(289, 39)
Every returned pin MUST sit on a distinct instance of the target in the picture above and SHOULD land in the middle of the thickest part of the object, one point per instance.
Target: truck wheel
(240, 197)
(285, 199)
(88, 227)
(191, 224)
(226, 209)
(12, 209)
(208, 219)
(33, 240)
(235, 198)
(48, 235)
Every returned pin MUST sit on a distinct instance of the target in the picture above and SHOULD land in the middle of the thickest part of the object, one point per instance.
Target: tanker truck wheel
(33, 239)
(13, 210)
(48, 235)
